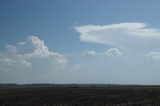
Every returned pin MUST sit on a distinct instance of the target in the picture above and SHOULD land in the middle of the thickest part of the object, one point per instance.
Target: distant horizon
(78, 84)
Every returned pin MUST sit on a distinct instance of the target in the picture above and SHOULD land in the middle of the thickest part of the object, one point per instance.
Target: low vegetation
(81, 96)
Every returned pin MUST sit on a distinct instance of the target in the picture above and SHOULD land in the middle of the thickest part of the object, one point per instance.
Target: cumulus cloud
(113, 51)
(126, 36)
(31, 48)
(32, 56)
(109, 52)
(89, 53)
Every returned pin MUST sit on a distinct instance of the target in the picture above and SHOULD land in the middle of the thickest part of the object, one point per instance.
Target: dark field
(81, 96)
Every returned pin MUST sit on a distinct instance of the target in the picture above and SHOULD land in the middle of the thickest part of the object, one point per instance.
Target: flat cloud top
(126, 36)
(133, 29)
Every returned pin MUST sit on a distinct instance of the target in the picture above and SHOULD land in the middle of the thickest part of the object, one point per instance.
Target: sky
(80, 41)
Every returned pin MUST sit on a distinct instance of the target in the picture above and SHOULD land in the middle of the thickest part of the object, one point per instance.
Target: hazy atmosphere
(80, 41)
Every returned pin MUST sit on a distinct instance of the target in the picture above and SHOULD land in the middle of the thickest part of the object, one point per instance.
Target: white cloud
(32, 54)
(31, 62)
(89, 53)
(134, 37)
(109, 52)
(113, 51)
(154, 55)
(9, 62)
(31, 47)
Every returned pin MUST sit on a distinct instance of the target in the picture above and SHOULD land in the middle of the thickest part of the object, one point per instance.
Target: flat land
(81, 96)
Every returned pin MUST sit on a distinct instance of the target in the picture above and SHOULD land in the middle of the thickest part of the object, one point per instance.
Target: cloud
(132, 55)
(109, 52)
(31, 47)
(89, 53)
(154, 55)
(30, 56)
(130, 37)
(113, 51)
(113, 68)
(31, 61)
(9, 62)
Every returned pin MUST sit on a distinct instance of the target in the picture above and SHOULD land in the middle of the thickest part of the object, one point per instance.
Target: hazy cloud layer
(31, 61)
(113, 68)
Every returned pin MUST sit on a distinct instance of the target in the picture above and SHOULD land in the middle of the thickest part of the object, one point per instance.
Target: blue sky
(123, 34)
(53, 20)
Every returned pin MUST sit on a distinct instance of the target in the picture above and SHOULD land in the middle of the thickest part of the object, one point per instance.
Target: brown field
(81, 96)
